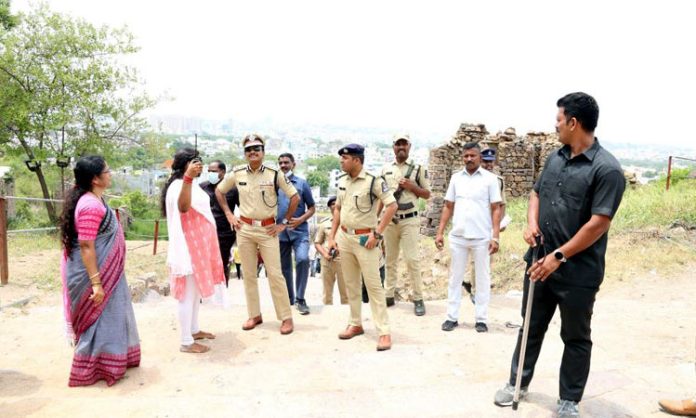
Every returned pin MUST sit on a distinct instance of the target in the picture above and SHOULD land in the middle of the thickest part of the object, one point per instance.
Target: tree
(325, 163)
(319, 178)
(63, 91)
(7, 21)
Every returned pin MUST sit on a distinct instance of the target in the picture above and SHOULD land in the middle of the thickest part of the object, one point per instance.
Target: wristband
(496, 240)
(187, 179)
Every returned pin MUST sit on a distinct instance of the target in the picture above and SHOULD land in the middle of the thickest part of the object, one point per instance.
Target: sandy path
(644, 350)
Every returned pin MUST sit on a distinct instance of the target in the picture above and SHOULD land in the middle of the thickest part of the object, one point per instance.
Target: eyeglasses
(256, 148)
(107, 171)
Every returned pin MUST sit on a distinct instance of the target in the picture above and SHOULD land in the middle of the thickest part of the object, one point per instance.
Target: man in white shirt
(473, 197)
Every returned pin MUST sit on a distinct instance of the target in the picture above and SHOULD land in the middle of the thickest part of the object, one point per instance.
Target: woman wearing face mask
(225, 233)
(194, 265)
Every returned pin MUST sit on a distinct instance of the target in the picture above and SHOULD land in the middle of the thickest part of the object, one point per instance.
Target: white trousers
(460, 249)
(188, 311)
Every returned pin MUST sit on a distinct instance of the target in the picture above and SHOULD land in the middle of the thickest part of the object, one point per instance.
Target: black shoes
(302, 307)
(419, 307)
(449, 325)
(390, 302)
(481, 327)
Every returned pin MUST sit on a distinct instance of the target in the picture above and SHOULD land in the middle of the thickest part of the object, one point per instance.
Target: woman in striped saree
(96, 299)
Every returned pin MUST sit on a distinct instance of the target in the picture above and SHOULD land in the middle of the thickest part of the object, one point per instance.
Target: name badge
(242, 183)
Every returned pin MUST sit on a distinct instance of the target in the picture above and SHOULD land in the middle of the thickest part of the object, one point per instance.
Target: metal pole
(4, 272)
(525, 330)
(669, 171)
(154, 248)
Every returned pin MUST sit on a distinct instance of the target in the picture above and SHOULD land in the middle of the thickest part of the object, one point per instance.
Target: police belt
(361, 231)
(258, 222)
(407, 215)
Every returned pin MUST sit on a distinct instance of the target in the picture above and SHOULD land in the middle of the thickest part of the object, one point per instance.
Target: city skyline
(408, 66)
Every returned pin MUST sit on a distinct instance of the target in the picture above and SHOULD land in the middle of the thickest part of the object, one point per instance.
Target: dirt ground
(644, 349)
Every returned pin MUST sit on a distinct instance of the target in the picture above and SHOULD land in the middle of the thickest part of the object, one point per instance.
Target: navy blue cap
(488, 154)
(352, 149)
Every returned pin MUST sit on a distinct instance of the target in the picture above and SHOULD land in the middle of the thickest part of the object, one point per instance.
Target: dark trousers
(300, 246)
(575, 304)
(226, 242)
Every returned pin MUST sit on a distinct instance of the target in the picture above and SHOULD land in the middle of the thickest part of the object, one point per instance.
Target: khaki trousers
(356, 259)
(404, 236)
(331, 273)
(253, 239)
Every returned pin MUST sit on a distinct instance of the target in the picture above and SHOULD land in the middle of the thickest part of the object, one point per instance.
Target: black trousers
(226, 242)
(575, 304)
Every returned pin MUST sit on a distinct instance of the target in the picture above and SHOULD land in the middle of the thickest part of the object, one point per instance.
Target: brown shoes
(350, 332)
(286, 327)
(384, 343)
(251, 323)
(687, 407)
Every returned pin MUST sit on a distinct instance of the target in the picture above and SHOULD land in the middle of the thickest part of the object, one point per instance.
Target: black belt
(407, 215)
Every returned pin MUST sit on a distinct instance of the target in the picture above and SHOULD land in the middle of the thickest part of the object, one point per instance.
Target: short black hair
(582, 107)
(287, 155)
(472, 145)
(220, 164)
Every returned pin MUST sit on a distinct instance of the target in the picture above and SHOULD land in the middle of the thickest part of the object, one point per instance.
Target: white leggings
(188, 311)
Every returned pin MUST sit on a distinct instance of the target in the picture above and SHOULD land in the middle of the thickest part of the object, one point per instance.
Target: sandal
(194, 348)
(200, 335)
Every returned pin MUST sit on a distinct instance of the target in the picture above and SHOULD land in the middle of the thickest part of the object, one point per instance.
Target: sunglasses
(256, 148)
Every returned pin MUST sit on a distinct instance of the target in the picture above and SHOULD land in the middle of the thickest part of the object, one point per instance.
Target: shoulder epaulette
(239, 168)
(341, 176)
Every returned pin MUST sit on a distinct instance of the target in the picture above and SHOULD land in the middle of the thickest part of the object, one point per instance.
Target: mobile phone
(363, 240)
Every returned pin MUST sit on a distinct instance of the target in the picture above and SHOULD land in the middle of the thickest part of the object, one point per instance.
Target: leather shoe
(251, 323)
(390, 302)
(350, 332)
(449, 325)
(687, 407)
(481, 327)
(419, 307)
(384, 343)
(286, 327)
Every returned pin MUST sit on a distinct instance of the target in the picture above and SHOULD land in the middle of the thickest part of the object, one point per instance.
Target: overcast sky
(416, 65)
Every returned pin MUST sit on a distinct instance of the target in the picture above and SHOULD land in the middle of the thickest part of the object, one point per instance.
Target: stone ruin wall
(520, 160)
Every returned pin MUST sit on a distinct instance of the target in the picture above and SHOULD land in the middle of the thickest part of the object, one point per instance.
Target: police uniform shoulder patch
(342, 175)
(270, 168)
(385, 187)
(239, 168)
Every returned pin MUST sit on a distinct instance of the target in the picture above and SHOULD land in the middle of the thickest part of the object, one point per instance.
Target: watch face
(559, 255)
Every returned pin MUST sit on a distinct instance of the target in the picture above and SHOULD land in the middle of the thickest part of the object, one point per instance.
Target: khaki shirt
(323, 231)
(359, 204)
(394, 172)
(258, 197)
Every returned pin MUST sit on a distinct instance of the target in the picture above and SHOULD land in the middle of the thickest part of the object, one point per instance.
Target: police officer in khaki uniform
(330, 260)
(257, 230)
(408, 182)
(356, 234)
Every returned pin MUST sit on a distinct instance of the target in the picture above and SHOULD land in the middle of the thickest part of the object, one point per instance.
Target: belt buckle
(255, 222)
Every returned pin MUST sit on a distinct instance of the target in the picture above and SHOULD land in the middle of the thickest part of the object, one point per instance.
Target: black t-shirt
(570, 192)
(223, 226)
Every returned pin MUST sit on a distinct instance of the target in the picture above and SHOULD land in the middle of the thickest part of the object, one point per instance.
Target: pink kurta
(202, 241)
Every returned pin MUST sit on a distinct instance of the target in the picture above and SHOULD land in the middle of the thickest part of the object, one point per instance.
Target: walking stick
(525, 329)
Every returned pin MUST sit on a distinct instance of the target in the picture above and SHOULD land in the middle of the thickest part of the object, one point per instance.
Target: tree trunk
(50, 208)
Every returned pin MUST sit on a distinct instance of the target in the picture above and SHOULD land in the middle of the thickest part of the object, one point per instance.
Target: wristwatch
(558, 255)
(285, 221)
(377, 235)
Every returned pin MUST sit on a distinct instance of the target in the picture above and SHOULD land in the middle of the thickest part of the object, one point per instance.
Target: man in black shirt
(570, 208)
(226, 235)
